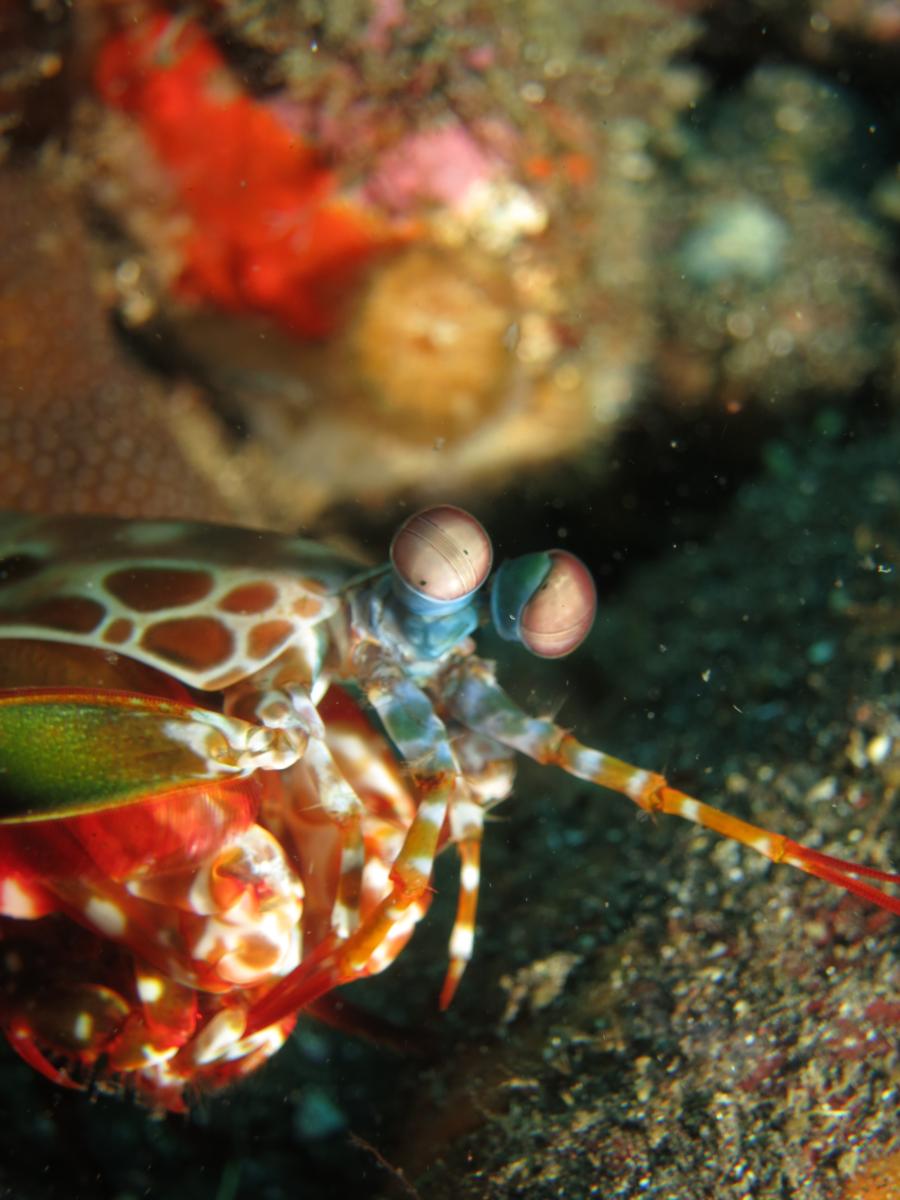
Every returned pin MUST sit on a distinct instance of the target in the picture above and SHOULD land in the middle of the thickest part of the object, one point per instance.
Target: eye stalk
(441, 557)
(546, 601)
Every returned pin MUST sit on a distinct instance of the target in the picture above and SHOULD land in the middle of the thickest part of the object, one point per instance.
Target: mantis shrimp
(229, 762)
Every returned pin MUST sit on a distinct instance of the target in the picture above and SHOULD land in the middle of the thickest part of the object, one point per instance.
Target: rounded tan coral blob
(432, 342)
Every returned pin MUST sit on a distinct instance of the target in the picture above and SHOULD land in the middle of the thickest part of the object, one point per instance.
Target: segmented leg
(341, 804)
(289, 708)
(489, 771)
(462, 938)
(280, 698)
(420, 736)
(418, 733)
(370, 766)
(474, 697)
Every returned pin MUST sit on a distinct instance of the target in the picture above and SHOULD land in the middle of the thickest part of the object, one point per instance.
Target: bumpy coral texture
(267, 232)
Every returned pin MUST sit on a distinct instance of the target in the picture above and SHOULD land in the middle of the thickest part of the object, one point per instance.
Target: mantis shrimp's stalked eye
(441, 557)
(546, 601)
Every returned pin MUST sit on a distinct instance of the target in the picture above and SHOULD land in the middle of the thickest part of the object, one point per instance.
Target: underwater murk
(393, 394)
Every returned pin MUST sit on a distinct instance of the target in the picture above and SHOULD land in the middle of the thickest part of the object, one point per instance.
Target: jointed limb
(476, 699)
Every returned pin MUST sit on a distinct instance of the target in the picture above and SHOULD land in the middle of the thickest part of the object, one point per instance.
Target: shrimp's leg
(473, 696)
(289, 708)
(462, 938)
(342, 805)
(489, 770)
(420, 737)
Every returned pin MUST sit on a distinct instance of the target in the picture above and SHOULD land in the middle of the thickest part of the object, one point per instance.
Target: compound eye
(442, 553)
(560, 614)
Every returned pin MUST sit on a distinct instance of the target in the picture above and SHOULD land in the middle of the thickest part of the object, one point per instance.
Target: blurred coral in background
(777, 285)
(380, 258)
(419, 252)
(263, 230)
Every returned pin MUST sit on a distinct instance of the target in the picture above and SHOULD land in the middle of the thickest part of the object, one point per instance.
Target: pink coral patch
(437, 166)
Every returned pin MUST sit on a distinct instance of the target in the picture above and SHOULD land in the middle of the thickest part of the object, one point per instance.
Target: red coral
(269, 233)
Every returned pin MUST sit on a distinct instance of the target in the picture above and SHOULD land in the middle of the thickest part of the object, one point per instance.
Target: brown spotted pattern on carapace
(265, 639)
(307, 607)
(249, 599)
(194, 642)
(118, 631)
(153, 589)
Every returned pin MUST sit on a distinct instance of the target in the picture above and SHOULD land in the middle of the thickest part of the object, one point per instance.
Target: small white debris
(826, 789)
(878, 749)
